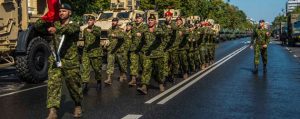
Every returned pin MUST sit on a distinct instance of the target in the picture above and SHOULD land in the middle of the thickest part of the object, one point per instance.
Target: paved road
(226, 90)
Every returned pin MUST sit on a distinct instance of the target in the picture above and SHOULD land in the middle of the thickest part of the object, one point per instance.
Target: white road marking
(132, 116)
(24, 90)
(191, 77)
(197, 79)
(295, 56)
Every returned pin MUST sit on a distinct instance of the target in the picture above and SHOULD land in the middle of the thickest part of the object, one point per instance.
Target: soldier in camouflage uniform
(260, 42)
(152, 56)
(183, 53)
(210, 43)
(201, 45)
(178, 58)
(116, 52)
(169, 36)
(92, 53)
(191, 52)
(139, 27)
(68, 70)
(204, 45)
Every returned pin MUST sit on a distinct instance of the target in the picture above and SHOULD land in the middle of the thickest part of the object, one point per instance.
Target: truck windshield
(123, 15)
(104, 16)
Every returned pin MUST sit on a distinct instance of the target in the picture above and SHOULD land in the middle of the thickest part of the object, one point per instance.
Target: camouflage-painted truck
(20, 45)
(124, 10)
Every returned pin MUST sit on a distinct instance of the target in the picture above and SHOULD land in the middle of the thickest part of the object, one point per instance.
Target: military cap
(260, 21)
(115, 19)
(190, 25)
(178, 18)
(129, 24)
(152, 16)
(65, 6)
(168, 13)
(91, 17)
(138, 15)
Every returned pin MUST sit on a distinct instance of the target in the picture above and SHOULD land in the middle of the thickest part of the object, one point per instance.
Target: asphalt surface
(226, 90)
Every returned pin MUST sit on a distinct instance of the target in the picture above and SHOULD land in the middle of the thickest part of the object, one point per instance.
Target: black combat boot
(98, 87)
(108, 81)
(255, 69)
(52, 113)
(77, 112)
(85, 87)
(133, 81)
(265, 67)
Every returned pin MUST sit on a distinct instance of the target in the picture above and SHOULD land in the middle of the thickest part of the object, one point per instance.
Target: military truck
(125, 10)
(20, 45)
(293, 26)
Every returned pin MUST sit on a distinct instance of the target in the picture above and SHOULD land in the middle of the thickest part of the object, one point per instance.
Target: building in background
(291, 5)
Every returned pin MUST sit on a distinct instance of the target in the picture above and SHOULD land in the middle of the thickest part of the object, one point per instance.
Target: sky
(260, 9)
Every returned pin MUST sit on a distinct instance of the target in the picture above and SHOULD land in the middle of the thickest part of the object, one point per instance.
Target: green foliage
(228, 16)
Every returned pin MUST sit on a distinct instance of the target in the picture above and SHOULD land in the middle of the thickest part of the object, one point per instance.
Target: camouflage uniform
(117, 51)
(210, 44)
(170, 56)
(201, 44)
(192, 49)
(135, 48)
(183, 53)
(153, 57)
(259, 39)
(92, 54)
(69, 72)
(204, 46)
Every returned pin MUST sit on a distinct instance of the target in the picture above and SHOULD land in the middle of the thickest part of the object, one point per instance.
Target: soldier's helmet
(168, 13)
(261, 21)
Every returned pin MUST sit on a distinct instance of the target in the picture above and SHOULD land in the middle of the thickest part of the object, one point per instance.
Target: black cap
(138, 15)
(115, 19)
(65, 6)
(152, 16)
(129, 23)
(260, 21)
(91, 17)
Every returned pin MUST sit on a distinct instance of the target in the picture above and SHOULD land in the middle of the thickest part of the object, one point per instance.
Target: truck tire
(33, 66)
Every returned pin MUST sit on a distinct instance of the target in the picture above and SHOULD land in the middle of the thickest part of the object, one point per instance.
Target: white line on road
(24, 90)
(191, 77)
(197, 79)
(295, 56)
(132, 116)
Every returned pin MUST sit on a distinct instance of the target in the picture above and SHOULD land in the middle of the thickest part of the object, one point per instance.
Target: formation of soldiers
(150, 51)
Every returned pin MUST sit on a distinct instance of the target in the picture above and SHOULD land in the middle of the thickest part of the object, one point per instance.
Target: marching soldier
(179, 35)
(116, 52)
(260, 42)
(205, 44)
(92, 53)
(201, 45)
(152, 56)
(191, 52)
(211, 41)
(64, 63)
(169, 35)
(139, 27)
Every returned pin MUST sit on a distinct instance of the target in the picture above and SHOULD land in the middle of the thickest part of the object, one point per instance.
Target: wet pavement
(226, 90)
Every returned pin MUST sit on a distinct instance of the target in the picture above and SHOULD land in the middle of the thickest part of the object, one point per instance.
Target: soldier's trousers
(174, 62)
(183, 61)
(203, 54)
(134, 63)
(260, 52)
(211, 52)
(167, 69)
(120, 59)
(191, 60)
(152, 67)
(55, 84)
(94, 63)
